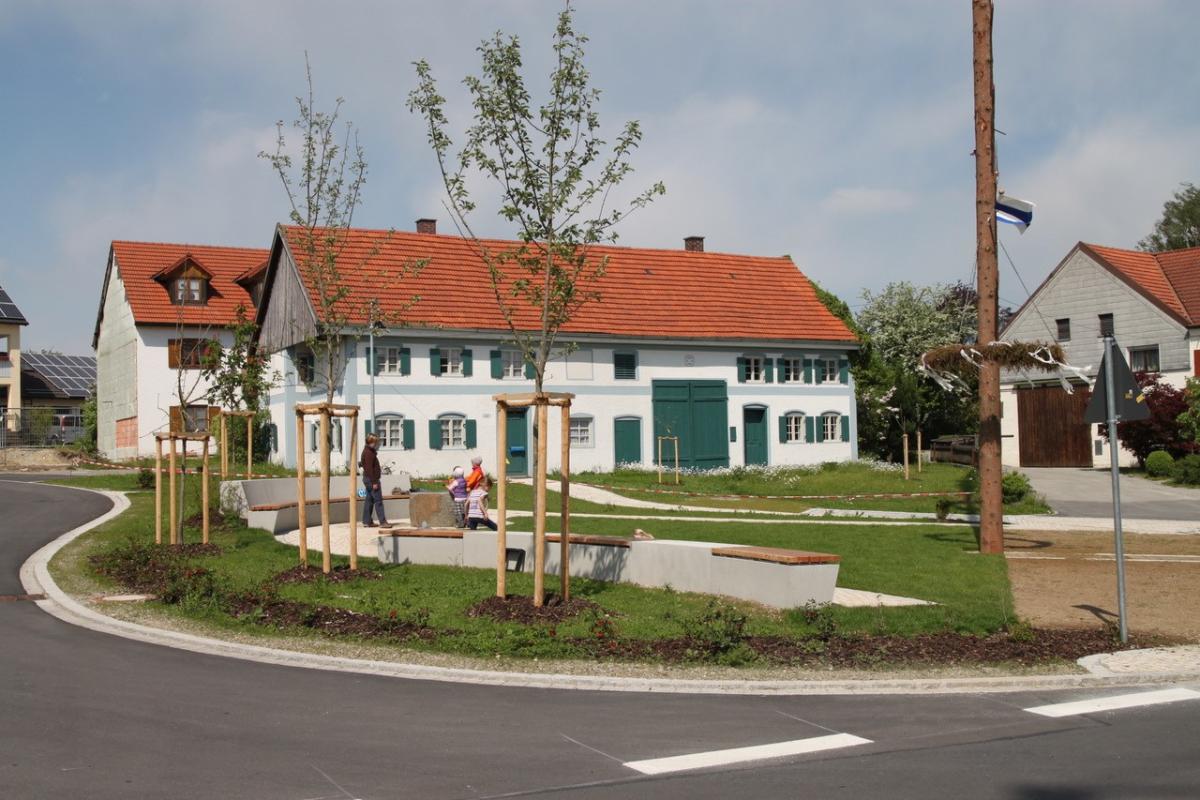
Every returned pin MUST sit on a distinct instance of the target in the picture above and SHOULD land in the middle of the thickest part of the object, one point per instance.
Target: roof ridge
(193, 244)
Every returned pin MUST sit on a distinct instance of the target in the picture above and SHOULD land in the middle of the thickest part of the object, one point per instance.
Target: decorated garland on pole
(950, 364)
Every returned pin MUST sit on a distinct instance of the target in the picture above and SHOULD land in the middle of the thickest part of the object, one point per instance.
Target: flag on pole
(1014, 211)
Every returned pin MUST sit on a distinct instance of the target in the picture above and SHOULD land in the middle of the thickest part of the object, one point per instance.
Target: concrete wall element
(682, 565)
(116, 368)
(237, 497)
(421, 396)
(420, 550)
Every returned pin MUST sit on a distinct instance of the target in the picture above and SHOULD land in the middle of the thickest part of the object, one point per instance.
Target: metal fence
(39, 426)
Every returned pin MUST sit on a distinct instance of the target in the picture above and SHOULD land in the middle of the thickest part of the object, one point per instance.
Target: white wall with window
(582, 431)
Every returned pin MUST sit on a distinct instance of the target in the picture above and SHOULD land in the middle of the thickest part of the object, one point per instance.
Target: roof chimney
(427, 226)
(693, 244)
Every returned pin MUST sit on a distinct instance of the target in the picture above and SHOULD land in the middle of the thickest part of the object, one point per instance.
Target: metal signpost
(1117, 397)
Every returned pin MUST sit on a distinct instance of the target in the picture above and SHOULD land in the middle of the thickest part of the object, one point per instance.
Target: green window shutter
(819, 370)
(845, 429)
(466, 363)
(810, 427)
(405, 361)
(312, 437)
(497, 364)
(367, 426)
(819, 425)
(470, 434)
(409, 429)
(843, 370)
(435, 434)
(783, 430)
(781, 369)
(372, 360)
(741, 364)
(435, 361)
(530, 372)
(768, 370)
(808, 370)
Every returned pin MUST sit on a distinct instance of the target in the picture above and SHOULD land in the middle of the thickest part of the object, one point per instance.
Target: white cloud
(864, 200)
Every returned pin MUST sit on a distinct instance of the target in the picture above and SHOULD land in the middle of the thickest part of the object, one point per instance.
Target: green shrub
(1187, 470)
(145, 478)
(718, 629)
(1014, 487)
(1159, 464)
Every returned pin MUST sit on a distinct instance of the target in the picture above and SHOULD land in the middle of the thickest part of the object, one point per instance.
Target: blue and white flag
(1014, 211)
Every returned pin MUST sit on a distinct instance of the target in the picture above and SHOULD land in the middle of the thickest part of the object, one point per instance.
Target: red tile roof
(644, 293)
(139, 262)
(1170, 279)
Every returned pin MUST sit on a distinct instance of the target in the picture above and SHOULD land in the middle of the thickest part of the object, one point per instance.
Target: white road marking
(1115, 702)
(716, 758)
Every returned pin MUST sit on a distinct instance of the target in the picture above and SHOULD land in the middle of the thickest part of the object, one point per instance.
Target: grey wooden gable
(286, 316)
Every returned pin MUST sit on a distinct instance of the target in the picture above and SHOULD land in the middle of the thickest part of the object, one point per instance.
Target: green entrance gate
(754, 434)
(518, 442)
(697, 412)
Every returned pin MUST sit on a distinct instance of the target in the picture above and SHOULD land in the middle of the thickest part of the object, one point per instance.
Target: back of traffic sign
(1130, 401)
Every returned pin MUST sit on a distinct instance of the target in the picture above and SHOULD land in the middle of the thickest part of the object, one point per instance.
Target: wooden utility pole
(991, 526)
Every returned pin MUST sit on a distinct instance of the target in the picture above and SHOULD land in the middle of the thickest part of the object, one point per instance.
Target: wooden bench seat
(579, 538)
(426, 533)
(317, 502)
(776, 555)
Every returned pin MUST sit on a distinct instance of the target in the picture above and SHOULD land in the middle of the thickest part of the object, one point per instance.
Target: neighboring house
(734, 355)
(11, 320)
(160, 306)
(53, 390)
(1151, 303)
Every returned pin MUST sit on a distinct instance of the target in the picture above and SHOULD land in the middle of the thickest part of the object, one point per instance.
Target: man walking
(371, 475)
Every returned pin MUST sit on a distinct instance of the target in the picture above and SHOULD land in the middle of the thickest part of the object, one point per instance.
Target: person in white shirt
(477, 512)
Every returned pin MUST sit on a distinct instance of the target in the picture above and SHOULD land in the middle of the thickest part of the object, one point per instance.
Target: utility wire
(1032, 303)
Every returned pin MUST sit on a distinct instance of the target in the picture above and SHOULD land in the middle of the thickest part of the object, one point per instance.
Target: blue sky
(839, 133)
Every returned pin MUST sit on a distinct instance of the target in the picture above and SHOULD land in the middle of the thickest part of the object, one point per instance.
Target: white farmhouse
(1151, 304)
(159, 306)
(733, 355)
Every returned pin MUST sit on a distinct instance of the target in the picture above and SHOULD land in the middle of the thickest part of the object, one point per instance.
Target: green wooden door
(754, 435)
(696, 412)
(518, 442)
(628, 439)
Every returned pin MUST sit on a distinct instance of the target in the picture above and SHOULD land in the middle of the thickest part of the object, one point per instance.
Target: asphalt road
(87, 715)
(1088, 493)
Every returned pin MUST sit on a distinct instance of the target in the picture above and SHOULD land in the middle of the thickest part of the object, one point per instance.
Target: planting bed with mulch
(519, 608)
(339, 573)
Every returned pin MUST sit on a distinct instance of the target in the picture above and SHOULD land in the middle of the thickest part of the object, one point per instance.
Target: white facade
(1078, 292)
(601, 399)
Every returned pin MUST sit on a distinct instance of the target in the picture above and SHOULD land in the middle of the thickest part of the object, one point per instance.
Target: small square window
(1144, 359)
(829, 370)
(625, 366)
(306, 365)
(389, 360)
(390, 431)
(581, 432)
(196, 418)
(513, 364)
(754, 369)
(190, 291)
(1106, 325)
(453, 433)
(1064, 329)
(831, 429)
(452, 361)
(793, 370)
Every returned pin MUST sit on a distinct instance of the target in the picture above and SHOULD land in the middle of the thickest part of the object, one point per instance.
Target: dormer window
(191, 291)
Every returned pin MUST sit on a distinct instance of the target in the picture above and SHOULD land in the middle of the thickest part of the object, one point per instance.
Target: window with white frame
(828, 370)
(581, 432)
(390, 430)
(454, 432)
(795, 427)
(1144, 359)
(306, 363)
(512, 363)
(190, 291)
(754, 369)
(389, 360)
(792, 370)
(452, 363)
(831, 423)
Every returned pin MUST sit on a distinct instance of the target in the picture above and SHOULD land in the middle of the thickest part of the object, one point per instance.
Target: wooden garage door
(1051, 427)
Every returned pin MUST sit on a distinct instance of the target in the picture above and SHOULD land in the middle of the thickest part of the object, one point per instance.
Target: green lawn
(934, 562)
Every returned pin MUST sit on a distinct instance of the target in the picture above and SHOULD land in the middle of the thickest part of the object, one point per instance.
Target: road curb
(36, 578)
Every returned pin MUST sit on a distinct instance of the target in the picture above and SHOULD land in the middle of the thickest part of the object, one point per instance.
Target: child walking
(477, 512)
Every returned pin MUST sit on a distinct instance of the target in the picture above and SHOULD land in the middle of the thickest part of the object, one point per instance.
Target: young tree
(1163, 430)
(323, 194)
(1189, 419)
(555, 179)
(238, 377)
(1179, 226)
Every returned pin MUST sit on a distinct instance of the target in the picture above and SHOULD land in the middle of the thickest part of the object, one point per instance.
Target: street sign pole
(1110, 391)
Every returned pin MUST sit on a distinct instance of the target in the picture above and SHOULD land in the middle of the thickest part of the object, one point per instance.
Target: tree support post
(224, 448)
(157, 490)
(539, 523)
(204, 491)
(301, 500)
(501, 497)
(353, 470)
(325, 559)
(565, 513)
(173, 503)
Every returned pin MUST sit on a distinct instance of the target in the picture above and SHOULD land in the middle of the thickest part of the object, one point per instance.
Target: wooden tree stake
(353, 461)
(905, 438)
(204, 492)
(325, 560)
(501, 498)
(564, 413)
(539, 523)
(158, 491)
(174, 515)
(301, 504)
(249, 445)
(919, 451)
(224, 448)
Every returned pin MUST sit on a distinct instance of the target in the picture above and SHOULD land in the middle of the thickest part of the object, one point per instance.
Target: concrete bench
(271, 503)
(775, 576)
(775, 555)
(421, 546)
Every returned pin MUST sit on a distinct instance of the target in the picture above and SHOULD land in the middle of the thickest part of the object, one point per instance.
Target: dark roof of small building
(8, 310)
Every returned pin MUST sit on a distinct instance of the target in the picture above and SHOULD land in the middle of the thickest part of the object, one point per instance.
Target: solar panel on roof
(72, 376)
(8, 309)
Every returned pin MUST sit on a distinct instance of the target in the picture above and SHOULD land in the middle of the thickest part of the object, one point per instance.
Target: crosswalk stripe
(1114, 702)
(736, 755)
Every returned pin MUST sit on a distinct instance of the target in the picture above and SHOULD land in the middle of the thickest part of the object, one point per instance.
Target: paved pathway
(1088, 493)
